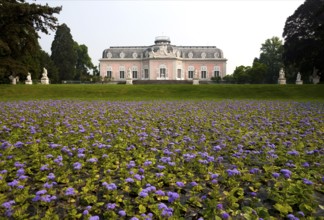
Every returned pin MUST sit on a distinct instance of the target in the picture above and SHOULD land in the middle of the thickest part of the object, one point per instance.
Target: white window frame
(109, 72)
(191, 71)
(121, 71)
(203, 72)
(134, 72)
(216, 71)
(161, 67)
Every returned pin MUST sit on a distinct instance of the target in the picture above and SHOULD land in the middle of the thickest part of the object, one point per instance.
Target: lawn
(162, 92)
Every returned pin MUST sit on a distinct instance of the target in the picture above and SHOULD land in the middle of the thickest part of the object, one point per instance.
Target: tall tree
(304, 38)
(258, 72)
(64, 53)
(83, 64)
(19, 26)
(271, 56)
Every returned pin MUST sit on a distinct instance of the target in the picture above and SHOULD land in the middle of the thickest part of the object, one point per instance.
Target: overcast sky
(238, 27)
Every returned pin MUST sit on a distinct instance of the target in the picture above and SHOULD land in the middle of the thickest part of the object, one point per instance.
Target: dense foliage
(304, 38)
(19, 26)
(64, 54)
(161, 160)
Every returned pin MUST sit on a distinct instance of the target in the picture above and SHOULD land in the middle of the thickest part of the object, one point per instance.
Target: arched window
(109, 72)
(191, 70)
(203, 72)
(122, 72)
(163, 72)
(216, 71)
(134, 72)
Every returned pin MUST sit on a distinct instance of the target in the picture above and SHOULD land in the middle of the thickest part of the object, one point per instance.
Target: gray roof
(194, 52)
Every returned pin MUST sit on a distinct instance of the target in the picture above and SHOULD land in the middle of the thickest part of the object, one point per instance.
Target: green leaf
(283, 208)
(142, 209)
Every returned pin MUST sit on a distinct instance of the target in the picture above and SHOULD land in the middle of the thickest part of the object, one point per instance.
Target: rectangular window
(216, 73)
(109, 74)
(162, 72)
(122, 74)
(146, 73)
(190, 74)
(203, 74)
(134, 74)
(179, 73)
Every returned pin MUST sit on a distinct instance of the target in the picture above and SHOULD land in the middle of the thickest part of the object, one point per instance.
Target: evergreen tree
(19, 24)
(64, 54)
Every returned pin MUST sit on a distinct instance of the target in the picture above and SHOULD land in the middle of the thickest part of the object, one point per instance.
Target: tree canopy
(19, 26)
(271, 57)
(304, 38)
(64, 53)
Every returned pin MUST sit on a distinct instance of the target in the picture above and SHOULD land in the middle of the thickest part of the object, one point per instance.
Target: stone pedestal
(129, 81)
(282, 81)
(299, 82)
(44, 80)
(195, 81)
(28, 82)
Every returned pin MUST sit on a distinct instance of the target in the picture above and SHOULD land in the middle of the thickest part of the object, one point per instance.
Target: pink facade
(162, 61)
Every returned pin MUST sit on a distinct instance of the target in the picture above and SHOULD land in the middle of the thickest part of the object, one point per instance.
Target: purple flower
(254, 170)
(167, 212)
(13, 183)
(225, 215)
(307, 182)
(172, 196)
(110, 186)
(51, 176)
(20, 172)
(293, 153)
(77, 165)
(275, 175)
(44, 167)
(147, 163)
(93, 160)
(131, 164)
(220, 206)
(134, 218)
(286, 173)
(180, 184)
(122, 213)
(129, 180)
(138, 177)
(160, 167)
(95, 217)
(110, 205)
(160, 193)
(69, 191)
(162, 206)
(85, 212)
(193, 184)
(143, 193)
(214, 175)
(292, 217)
(305, 164)
(159, 174)
(7, 205)
(233, 172)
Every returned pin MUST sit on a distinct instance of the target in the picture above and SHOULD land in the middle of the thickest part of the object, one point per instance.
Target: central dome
(162, 40)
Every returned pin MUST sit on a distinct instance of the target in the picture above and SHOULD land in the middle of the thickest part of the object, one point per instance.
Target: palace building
(162, 61)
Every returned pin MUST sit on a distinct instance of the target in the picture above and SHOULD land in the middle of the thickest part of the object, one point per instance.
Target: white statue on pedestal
(298, 79)
(129, 73)
(44, 79)
(281, 74)
(196, 74)
(29, 80)
(13, 79)
(282, 79)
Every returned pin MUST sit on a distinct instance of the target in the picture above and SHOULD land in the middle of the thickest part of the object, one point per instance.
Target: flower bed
(161, 160)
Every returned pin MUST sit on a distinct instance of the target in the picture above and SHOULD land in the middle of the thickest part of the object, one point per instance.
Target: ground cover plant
(161, 160)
